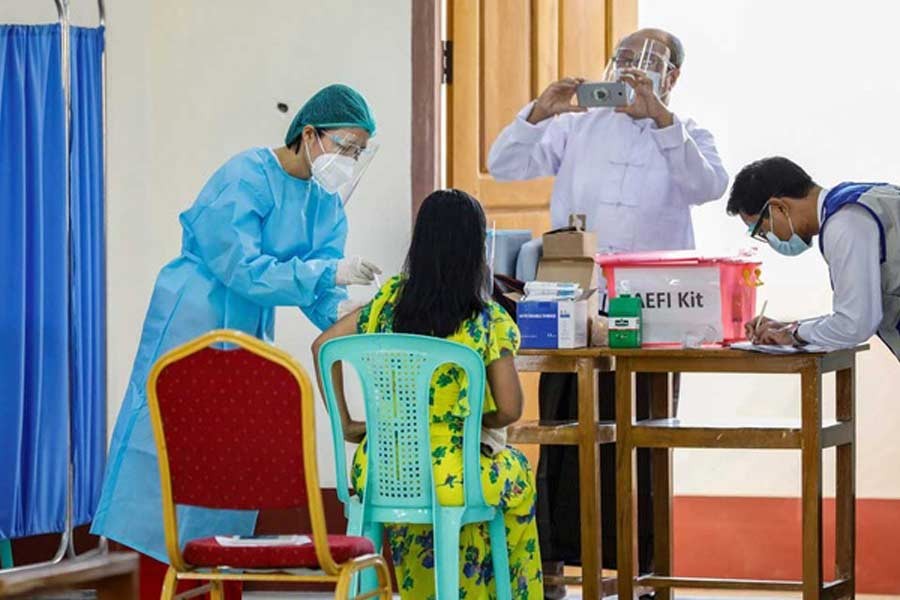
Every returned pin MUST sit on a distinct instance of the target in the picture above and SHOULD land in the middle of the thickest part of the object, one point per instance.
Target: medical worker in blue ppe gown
(268, 229)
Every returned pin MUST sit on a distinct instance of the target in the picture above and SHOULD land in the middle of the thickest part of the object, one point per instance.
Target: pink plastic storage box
(687, 299)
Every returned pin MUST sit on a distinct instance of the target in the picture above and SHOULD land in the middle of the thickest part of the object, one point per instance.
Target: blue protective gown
(255, 238)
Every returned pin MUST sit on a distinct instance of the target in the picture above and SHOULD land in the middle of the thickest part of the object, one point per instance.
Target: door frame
(427, 57)
(427, 75)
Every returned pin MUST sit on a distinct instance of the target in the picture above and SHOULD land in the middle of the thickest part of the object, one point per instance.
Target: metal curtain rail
(102, 546)
(67, 539)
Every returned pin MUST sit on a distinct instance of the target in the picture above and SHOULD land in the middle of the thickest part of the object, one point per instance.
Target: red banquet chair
(234, 423)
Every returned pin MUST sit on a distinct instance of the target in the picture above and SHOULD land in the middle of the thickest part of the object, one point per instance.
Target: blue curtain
(34, 284)
(88, 273)
(38, 326)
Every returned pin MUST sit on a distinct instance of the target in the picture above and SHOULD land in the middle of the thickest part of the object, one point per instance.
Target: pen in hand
(758, 321)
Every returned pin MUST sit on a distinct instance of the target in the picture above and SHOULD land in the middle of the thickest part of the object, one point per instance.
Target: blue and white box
(553, 324)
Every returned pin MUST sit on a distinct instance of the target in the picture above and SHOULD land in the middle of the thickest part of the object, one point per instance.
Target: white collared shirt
(636, 183)
(851, 247)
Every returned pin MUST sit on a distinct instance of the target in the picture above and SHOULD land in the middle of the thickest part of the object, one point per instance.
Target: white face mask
(330, 170)
(656, 78)
(653, 76)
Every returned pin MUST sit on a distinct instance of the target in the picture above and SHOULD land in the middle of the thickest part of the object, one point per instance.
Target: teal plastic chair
(6, 559)
(395, 371)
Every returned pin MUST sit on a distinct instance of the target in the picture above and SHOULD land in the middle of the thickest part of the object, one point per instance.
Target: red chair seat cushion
(206, 552)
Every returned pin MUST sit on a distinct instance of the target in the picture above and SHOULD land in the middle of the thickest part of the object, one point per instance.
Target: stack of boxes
(568, 257)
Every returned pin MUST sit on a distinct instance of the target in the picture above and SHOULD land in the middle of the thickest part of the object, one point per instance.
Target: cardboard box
(567, 243)
(582, 271)
(567, 257)
(561, 324)
(570, 242)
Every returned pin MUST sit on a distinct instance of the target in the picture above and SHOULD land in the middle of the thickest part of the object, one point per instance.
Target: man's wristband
(798, 341)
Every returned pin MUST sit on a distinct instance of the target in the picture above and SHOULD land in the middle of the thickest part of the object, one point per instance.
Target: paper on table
(766, 349)
(262, 541)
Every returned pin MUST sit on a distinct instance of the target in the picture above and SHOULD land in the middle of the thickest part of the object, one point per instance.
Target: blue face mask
(792, 246)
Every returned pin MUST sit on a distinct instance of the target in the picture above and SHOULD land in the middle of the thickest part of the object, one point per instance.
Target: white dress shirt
(851, 246)
(635, 182)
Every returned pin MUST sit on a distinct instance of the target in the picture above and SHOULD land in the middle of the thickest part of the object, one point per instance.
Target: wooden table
(662, 433)
(113, 575)
(586, 433)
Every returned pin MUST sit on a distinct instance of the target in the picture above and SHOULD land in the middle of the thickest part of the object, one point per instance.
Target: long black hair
(445, 267)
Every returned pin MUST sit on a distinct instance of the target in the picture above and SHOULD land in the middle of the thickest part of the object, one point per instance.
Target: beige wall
(215, 73)
(811, 80)
(192, 83)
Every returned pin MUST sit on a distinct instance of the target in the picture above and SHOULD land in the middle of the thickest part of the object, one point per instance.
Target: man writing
(858, 230)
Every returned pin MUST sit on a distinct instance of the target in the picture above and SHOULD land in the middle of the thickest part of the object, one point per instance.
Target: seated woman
(441, 294)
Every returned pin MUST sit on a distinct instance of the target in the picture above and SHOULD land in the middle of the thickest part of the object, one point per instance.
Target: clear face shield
(342, 161)
(651, 57)
(490, 249)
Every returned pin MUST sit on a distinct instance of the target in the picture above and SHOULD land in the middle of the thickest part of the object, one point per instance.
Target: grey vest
(883, 203)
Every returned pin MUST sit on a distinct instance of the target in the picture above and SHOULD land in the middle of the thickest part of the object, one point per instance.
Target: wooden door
(505, 52)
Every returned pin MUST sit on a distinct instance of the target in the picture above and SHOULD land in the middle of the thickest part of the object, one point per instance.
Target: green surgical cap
(330, 108)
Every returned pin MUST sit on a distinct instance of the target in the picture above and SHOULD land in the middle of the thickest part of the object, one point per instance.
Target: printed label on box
(675, 300)
(553, 324)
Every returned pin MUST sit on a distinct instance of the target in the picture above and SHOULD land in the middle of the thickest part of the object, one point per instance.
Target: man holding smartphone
(636, 171)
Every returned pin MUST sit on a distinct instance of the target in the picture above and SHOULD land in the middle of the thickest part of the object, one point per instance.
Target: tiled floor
(287, 596)
(687, 595)
(707, 595)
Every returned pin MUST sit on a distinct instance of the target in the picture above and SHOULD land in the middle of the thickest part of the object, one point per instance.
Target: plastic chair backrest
(396, 371)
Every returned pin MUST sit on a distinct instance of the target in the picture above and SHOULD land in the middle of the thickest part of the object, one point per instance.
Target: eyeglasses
(346, 147)
(754, 230)
(626, 58)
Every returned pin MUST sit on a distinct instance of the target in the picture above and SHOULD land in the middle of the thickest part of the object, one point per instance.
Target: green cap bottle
(625, 322)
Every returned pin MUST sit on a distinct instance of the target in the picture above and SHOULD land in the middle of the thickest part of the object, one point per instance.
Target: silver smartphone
(605, 93)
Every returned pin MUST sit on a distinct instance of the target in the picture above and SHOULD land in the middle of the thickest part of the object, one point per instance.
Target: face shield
(490, 254)
(341, 163)
(651, 57)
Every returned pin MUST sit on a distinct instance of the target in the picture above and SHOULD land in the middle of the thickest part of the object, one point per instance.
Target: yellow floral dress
(506, 478)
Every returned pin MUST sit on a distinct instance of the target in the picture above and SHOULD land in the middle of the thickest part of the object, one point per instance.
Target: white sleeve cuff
(806, 331)
(673, 136)
(524, 132)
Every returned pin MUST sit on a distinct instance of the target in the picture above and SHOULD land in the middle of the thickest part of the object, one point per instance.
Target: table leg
(661, 407)
(811, 423)
(626, 492)
(589, 475)
(845, 496)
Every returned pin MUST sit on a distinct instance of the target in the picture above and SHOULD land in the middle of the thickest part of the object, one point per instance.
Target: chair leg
(354, 517)
(368, 579)
(446, 555)
(500, 557)
(355, 527)
(384, 580)
(351, 571)
(169, 584)
(345, 588)
(6, 557)
(217, 590)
